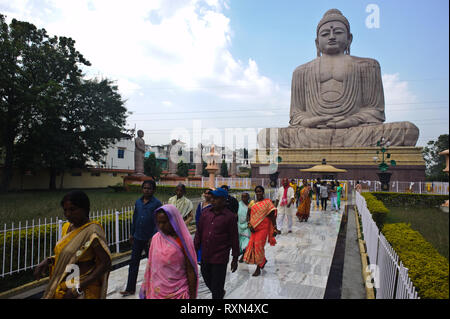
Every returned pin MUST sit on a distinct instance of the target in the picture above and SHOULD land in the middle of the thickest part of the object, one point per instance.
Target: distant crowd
(178, 240)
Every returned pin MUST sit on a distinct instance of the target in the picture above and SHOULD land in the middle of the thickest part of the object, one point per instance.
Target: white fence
(24, 245)
(234, 183)
(391, 277)
(437, 188)
(441, 188)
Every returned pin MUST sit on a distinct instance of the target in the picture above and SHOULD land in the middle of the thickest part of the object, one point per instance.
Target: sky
(220, 70)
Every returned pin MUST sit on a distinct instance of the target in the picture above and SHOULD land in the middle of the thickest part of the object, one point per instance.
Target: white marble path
(297, 267)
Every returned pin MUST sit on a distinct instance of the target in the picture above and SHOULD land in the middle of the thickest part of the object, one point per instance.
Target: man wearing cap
(216, 234)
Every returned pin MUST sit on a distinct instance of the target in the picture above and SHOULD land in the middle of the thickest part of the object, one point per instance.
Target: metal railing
(391, 277)
(25, 244)
(436, 188)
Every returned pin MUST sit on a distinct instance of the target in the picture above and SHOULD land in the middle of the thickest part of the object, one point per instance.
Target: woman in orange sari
(81, 264)
(262, 224)
(305, 203)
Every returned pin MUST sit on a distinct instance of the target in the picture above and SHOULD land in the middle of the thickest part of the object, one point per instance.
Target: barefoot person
(285, 205)
(262, 224)
(184, 206)
(142, 230)
(82, 246)
(244, 232)
(305, 202)
(339, 190)
(171, 271)
(207, 201)
(217, 233)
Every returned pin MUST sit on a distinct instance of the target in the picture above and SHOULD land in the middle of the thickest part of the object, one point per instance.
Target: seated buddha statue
(337, 100)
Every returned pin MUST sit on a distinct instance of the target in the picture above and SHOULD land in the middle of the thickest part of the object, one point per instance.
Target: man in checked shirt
(217, 233)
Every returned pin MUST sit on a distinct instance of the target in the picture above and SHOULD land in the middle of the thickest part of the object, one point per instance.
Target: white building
(119, 155)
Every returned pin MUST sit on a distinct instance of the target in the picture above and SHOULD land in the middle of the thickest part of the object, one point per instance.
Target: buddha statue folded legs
(398, 134)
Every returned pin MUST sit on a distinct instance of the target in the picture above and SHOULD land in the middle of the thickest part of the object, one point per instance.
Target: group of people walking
(175, 240)
(324, 191)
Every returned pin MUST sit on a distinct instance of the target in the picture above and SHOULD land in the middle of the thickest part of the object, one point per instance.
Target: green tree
(49, 116)
(205, 173)
(77, 131)
(182, 169)
(224, 169)
(435, 163)
(151, 167)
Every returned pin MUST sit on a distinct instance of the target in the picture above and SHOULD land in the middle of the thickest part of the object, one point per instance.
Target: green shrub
(376, 208)
(428, 270)
(410, 199)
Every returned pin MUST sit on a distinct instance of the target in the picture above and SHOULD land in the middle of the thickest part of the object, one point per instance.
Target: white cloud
(181, 43)
(396, 91)
(127, 87)
(399, 99)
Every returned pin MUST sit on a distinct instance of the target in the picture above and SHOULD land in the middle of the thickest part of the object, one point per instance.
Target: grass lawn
(431, 223)
(28, 205)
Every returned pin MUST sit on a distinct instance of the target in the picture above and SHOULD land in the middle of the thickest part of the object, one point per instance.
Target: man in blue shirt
(142, 230)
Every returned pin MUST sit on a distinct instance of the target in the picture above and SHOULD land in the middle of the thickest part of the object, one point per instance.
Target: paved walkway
(297, 267)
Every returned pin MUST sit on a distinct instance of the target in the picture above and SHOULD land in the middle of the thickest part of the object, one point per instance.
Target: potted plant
(384, 176)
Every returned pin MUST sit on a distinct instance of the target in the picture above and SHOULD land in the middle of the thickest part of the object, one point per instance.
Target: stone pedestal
(384, 178)
(358, 161)
(233, 171)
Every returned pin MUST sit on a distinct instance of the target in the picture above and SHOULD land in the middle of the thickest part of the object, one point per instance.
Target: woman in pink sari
(171, 271)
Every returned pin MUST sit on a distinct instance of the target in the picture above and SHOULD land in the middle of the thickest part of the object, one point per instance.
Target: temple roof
(323, 168)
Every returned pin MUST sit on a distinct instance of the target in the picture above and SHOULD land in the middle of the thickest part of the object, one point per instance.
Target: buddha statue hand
(343, 122)
(316, 121)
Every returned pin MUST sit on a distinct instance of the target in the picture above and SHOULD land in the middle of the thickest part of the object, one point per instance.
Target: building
(118, 156)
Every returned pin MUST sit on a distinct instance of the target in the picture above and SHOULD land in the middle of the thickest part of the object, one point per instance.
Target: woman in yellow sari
(305, 203)
(81, 264)
(262, 224)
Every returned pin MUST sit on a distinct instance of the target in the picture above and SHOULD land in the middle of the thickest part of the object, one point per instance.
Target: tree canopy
(51, 116)
(152, 167)
(182, 169)
(224, 169)
(435, 163)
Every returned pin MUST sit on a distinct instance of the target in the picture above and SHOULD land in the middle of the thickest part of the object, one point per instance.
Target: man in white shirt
(285, 205)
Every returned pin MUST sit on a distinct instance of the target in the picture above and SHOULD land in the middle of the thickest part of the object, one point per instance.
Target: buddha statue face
(333, 38)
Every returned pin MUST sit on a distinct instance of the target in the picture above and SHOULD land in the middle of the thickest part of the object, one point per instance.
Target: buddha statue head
(333, 34)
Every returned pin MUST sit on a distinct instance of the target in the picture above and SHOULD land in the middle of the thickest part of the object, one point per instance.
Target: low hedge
(376, 208)
(428, 270)
(410, 199)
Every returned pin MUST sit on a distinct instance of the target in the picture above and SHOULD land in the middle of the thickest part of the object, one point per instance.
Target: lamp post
(384, 176)
(212, 167)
